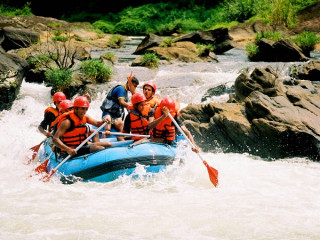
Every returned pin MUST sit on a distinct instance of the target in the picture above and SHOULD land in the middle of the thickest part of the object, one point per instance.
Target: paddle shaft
(127, 134)
(182, 132)
(213, 173)
(80, 146)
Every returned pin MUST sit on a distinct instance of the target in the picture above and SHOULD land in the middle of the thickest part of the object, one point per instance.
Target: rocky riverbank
(267, 115)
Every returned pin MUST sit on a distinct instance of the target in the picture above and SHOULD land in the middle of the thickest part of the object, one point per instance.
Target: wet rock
(219, 38)
(273, 118)
(12, 71)
(283, 50)
(309, 71)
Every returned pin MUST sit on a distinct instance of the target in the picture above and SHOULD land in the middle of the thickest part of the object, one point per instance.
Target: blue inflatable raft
(108, 164)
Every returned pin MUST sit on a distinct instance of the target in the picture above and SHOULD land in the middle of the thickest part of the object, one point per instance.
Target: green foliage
(116, 41)
(150, 60)
(252, 49)
(56, 25)
(238, 10)
(204, 50)
(131, 27)
(306, 41)
(59, 79)
(39, 61)
(78, 38)
(60, 38)
(275, 36)
(96, 70)
(104, 26)
(167, 42)
(10, 11)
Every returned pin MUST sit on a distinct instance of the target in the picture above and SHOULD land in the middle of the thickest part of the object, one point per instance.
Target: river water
(255, 199)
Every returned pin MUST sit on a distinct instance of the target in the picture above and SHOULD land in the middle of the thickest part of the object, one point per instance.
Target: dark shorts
(82, 151)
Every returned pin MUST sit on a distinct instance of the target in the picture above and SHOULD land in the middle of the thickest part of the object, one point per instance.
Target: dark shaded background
(59, 8)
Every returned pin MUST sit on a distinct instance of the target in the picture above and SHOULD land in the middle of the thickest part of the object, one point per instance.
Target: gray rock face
(273, 118)
(12, 70)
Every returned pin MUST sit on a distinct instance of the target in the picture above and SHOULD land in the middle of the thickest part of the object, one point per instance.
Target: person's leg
(118, 124)
(107, 127)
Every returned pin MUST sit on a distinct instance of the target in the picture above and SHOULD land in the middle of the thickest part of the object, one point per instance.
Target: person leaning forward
(50, 114)
(165, 130)
(116, 101)
(72, 130)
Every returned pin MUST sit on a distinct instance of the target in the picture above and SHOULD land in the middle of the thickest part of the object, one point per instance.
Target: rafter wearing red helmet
(165, 130)
(72, 130)
(50, 114)
(149, 90)
(139, 114)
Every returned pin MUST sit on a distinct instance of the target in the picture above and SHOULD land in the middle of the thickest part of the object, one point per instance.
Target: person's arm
(97, 123)
(188, 134)
(48, 119)
(154, 123)
(131, 87)
(123, 102)
(64, 126)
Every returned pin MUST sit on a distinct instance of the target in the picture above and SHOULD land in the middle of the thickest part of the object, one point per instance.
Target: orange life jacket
(166, 128)
(55, 112)
(77, 133)
(59, 118)
(139, 121)
(153, 101)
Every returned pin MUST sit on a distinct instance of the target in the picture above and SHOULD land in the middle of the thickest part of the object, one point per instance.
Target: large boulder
(151, 40)
(273, 118)
(12, 70)
(308, 71)
(283, 50)
(219, 38)
(14, 38)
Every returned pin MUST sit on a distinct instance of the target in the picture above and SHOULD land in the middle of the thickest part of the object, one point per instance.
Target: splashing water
(255, 199)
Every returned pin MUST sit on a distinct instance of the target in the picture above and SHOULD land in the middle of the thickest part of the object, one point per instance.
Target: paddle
(42, 168)
(126, 134)
(213, 173)
(35, 150)
(47, 177)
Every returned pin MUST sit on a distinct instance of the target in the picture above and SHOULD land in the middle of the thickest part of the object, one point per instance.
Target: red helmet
(169, 103)
(151, 84)
(81, 102)
(58, 97)
(65, 104)
(137, 98)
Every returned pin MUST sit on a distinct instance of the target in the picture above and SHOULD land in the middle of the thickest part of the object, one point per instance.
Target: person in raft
(116, 101)
(72, 130)
(149, 91)
(165, 131)
(50, 114)
(140, 118)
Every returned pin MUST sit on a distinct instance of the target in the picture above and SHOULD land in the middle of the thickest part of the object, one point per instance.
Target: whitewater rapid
(255, 199)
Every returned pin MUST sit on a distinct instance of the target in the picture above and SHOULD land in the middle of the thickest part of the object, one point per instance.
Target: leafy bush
(306, 41)
(116, 41)
(204, 50)
(104, 26)
(131, 27)
(60, 38)
(167, 42)
(10, 11)
(238, 10)
(59, 79)
(39, 61)
(275, 36)
(252, 49)
(96, 70)
(150, 60)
